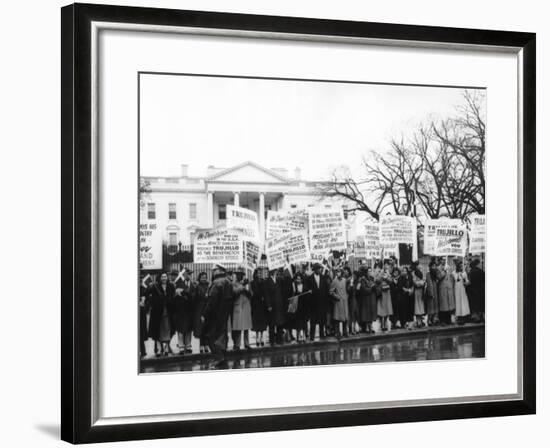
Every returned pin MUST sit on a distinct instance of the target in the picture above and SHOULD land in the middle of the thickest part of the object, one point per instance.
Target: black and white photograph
(307, 222)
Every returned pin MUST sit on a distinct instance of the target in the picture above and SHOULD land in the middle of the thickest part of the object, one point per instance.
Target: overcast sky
(203, 121)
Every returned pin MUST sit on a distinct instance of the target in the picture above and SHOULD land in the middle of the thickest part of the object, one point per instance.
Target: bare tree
(440, 169)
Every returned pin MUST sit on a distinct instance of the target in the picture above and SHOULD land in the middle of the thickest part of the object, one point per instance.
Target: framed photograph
(276, 223)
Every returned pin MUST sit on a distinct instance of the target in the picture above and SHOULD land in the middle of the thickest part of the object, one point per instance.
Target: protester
(367, 297)
(477, 291)
(143, 305)
(405, 295)
(432, 295)
(218, 309)
(339, 295)
(461, 298)
(300, 303)
(395, 294)
(446, 294)
(318, 283)
(241, 321)
(161, 297)
(201, 293)
(384, 304)
(288, 292)
(183, 313)
(419, 285)
(351, 281)
(273, 293)
(259, 308)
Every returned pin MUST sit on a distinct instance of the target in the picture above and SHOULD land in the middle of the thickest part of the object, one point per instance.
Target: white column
(210, 209)
(262, 216)
(282, 201)
(236, 198)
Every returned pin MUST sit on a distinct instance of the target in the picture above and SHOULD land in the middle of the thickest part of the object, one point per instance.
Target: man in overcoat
(318, 283)
(184, 303)
(276, 309)
(216, 312)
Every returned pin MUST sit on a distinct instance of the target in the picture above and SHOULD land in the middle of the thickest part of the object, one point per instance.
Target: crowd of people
(303, 303)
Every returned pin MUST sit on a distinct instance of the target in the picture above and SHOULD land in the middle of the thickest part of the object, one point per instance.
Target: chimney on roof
(297, 173)
(184, 169)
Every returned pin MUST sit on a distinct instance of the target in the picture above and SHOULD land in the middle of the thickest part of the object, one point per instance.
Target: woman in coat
(384, 305)
(161, 298)
(419, 284)
(339, 294)
(201, 293)
(405, 290)
(461, 298)
(367, 297)
(259, 309)
(446, 294)
(241, 321)
(432, 294)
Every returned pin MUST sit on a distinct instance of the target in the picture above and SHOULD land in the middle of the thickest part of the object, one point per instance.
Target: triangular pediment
(248, 172)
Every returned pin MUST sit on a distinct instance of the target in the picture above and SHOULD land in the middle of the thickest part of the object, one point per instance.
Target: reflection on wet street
(448, 345)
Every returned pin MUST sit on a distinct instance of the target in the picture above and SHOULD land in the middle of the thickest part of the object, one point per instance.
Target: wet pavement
(450, 344)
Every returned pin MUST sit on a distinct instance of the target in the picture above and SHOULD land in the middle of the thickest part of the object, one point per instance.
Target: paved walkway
(151, 359)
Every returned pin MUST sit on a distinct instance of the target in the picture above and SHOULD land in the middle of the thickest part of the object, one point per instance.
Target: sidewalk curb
(396, 334)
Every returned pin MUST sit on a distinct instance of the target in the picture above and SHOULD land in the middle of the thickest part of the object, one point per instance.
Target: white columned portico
(261, 212)
(210, 209)
(236, 198)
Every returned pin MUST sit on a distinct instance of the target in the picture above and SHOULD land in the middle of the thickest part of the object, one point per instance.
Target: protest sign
(397, 229)
(290, 247)
(477, 234)
(372, 240)
(444, 237)
(244, 220)
(327, 231)
(218, 246)
(251, 255)
(360, 247)
(150, 246)
(294, 220)
(388, 250)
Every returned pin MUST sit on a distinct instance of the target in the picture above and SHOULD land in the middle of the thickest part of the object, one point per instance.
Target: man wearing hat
(320, 301)
(276, 307)
(218, 308)
(184, 302)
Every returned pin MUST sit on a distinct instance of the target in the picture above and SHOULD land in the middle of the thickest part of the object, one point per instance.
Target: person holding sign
(299, 302)
(406, 292)
(461, 298)
(339, 294)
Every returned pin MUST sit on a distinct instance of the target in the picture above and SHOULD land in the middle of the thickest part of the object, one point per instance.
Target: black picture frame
(76, 186)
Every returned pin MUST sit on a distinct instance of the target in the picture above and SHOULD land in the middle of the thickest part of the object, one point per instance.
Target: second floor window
(172, 211)
(151, 211)
(192, 210)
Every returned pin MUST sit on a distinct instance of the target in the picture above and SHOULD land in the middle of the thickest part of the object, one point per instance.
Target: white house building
(183, 204)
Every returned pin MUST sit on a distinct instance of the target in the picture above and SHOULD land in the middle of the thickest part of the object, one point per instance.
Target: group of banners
(293, 236)
(308, 235)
